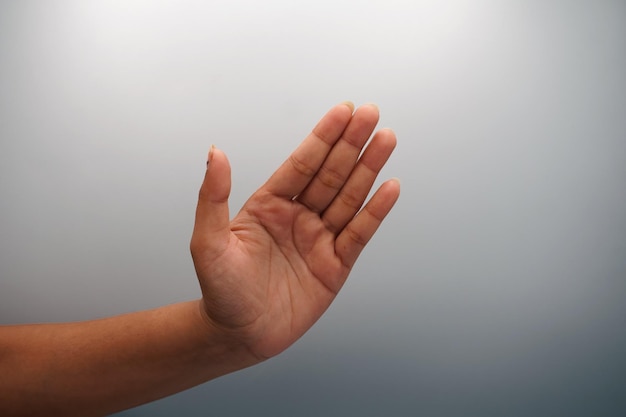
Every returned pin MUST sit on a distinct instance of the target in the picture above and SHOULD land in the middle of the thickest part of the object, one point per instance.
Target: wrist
(219, 342)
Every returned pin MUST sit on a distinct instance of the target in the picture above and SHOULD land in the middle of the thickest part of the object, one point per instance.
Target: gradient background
(496, 287)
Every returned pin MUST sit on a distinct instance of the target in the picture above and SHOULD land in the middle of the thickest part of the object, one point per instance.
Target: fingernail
(349, 104)
(210, 156)
(373, 105)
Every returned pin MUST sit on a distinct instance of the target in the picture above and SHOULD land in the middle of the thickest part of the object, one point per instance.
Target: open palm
(270, 273)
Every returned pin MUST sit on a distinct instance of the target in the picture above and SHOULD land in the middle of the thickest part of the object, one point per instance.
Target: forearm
(102, 366)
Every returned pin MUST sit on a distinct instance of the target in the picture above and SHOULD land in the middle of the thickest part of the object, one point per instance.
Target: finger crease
(351, 199)
(324, 138)
(301, 167)
(368, 210)
(331, 178)
(356, 237)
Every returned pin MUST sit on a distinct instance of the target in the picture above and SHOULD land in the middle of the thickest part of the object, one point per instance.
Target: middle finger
(341, 160)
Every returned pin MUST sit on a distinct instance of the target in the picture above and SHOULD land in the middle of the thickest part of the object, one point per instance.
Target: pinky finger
(353, 238)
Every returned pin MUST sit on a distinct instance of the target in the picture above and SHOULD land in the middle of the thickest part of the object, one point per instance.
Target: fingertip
(387, 135)
(349, 104)
(396, 182)
(373, 105)
(216, 184)
(368, 111)
(216, 156)
(390, 190)
(210, 156)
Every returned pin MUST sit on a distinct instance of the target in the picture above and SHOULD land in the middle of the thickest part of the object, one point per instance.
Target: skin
(266, 277)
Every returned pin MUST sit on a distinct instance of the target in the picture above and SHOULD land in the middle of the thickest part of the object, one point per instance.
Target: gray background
(495, 287)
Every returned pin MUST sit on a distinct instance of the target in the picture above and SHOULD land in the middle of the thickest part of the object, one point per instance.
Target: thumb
(212, 226)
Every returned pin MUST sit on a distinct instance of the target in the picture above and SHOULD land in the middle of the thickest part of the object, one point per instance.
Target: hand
(270, 273)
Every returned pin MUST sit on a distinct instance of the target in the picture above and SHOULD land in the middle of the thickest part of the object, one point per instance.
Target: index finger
(292, 177)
